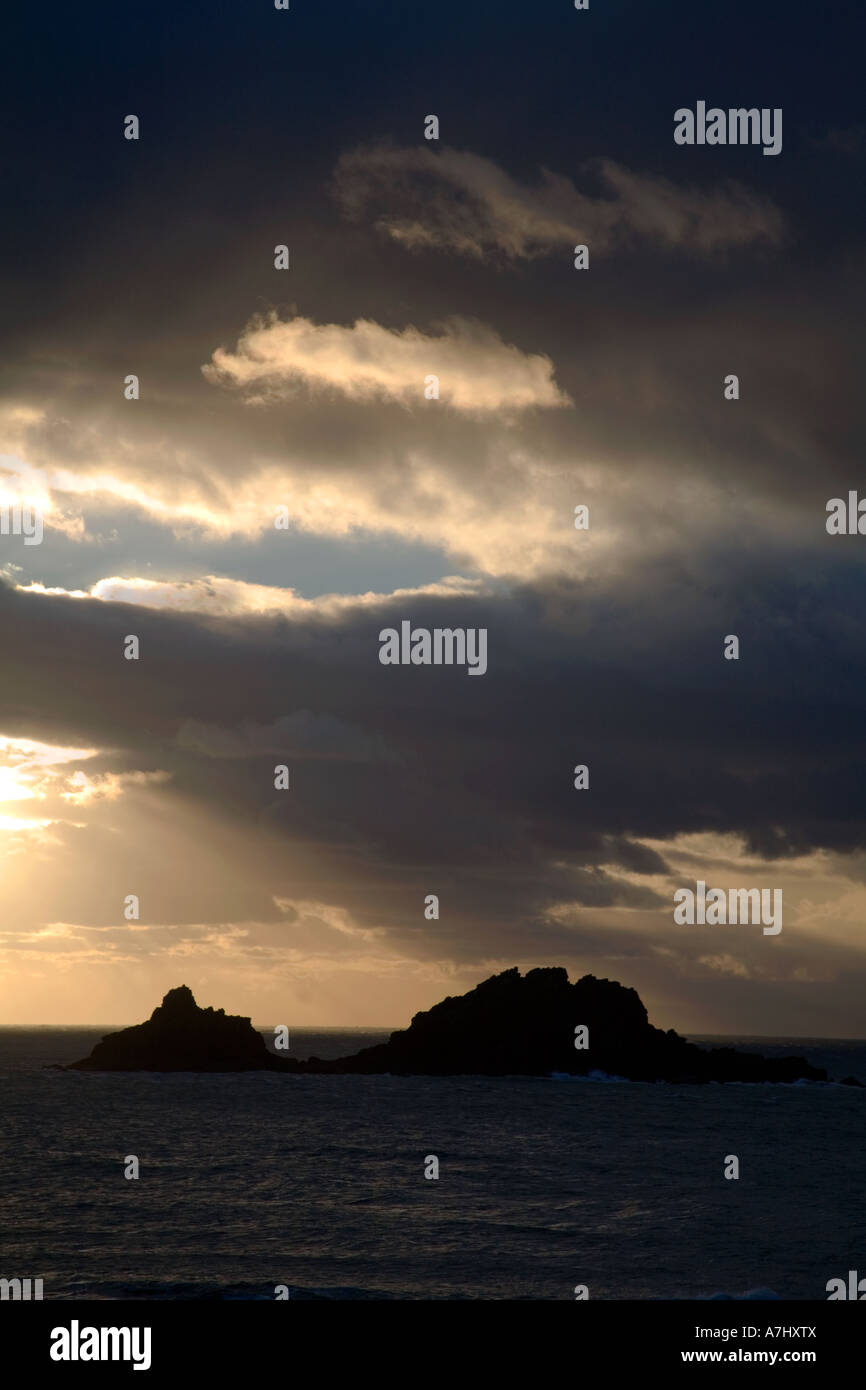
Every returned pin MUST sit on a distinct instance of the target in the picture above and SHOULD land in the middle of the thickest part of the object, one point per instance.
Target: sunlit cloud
(82, 790)
(28, 767)
(233, 597)
(19, 823)
(475, 369)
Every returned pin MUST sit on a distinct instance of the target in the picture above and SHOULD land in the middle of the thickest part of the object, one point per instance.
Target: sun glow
(29, 770)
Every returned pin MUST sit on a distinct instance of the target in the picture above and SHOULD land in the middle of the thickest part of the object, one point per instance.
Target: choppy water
(317, 1182)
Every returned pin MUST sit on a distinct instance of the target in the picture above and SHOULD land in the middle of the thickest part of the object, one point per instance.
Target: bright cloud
(227, 598)
(477, 371)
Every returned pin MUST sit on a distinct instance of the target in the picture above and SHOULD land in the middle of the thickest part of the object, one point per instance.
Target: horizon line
(387, 1028)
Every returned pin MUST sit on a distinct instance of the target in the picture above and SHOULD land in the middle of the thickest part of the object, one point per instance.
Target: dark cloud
(455, 200)
(404, 775)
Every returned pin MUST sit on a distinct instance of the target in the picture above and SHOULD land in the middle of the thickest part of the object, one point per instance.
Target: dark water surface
(249, 1181)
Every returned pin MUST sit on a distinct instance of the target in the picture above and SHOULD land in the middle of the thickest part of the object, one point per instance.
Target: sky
(303, 389)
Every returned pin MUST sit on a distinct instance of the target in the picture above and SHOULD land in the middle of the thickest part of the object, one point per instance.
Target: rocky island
(537, 1024)
(180, 1036)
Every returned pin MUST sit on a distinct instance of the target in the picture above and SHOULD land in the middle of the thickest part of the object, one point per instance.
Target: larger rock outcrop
(515, 1024)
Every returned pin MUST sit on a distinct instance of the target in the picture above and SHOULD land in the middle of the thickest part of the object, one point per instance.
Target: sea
(252, 1183)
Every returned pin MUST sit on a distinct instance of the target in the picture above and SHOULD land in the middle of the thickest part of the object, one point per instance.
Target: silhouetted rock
(511, 1025)
(179, 1036)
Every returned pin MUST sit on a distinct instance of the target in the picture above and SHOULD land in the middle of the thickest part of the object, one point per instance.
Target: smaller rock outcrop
(179, 1036)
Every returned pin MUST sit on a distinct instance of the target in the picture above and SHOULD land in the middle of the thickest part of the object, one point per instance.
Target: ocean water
(250, 1181)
